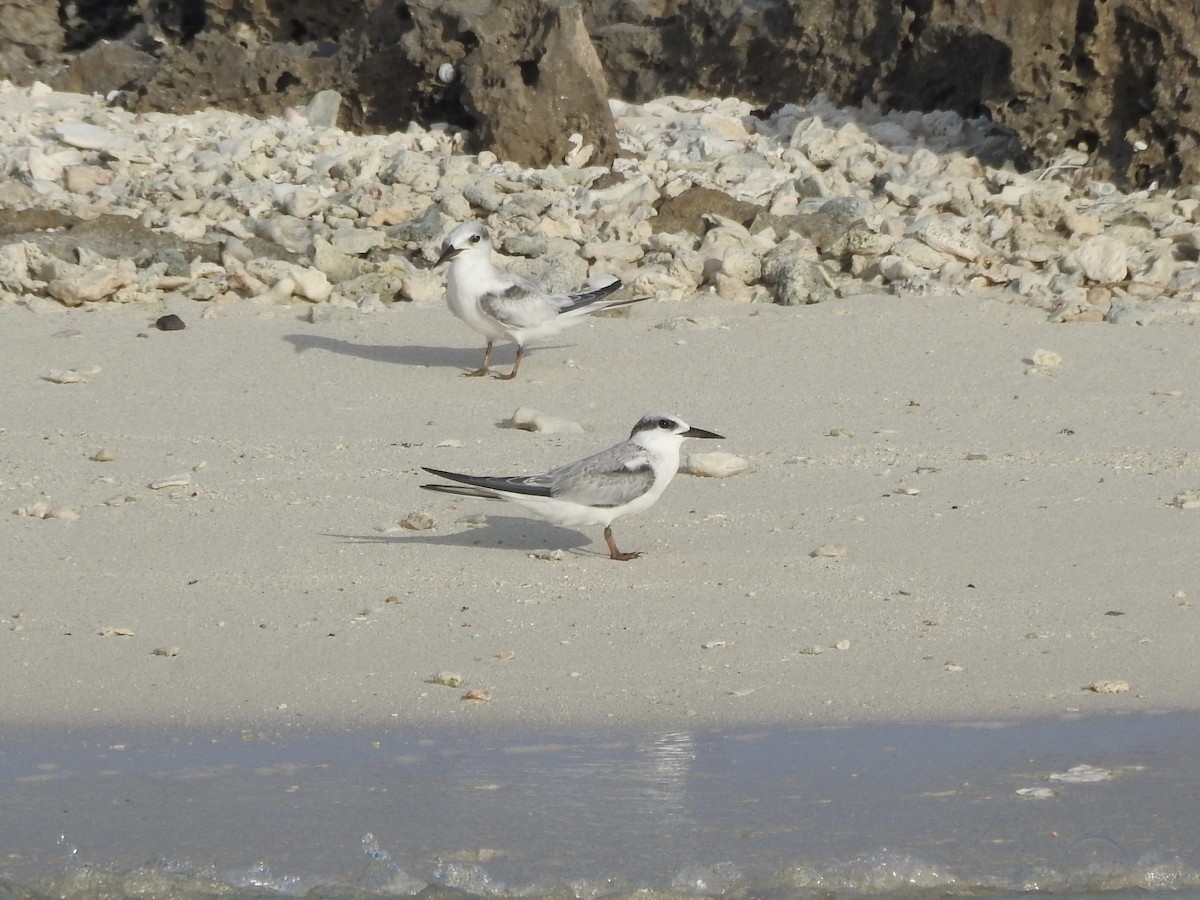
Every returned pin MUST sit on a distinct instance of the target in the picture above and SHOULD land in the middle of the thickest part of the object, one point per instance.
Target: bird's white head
(468, 239)
(663, 430)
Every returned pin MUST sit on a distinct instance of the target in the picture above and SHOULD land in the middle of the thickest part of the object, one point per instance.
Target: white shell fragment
(713, 465)
(70, 376)
(1043, 362)
(1082, 774)
(1109, 687)
(830, 551)
(418, 521)
(1187, 500)
(446, 73)
(1038, 793)
(181, 480)
(43, 510)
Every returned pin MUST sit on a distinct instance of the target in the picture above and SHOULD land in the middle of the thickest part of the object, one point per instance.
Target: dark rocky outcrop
(1119, 78)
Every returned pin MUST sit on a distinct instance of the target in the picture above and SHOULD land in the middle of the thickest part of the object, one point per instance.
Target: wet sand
(1089, 806)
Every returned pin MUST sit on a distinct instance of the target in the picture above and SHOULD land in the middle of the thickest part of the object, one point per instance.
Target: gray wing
(486, 485)
(520, 305)
(612, 477)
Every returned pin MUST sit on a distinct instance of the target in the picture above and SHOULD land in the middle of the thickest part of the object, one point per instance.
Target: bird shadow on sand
(395, 354)
(407, 354)
(510, 533)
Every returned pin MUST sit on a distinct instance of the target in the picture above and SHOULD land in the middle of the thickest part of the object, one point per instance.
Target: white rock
(714, 464)
(85, 136)
(1102, 259)
(528, 419)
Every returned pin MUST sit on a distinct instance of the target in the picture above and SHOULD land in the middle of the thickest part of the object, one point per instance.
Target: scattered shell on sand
(109, 631)
(104, 454)
(1108, 687)
(43, 510)
(830, 551)
(418, 521)
(183, 479)
(554, 555)
(448, 679)
(1082, 774)
(1038, 793)
(478, 695)
(1187, 500)
(165, 651)
(70, 376)
(1043, 362)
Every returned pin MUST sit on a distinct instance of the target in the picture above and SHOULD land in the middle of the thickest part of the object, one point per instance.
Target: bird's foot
(613, 552)
(509, 377)
(623, 557)
(477, 373)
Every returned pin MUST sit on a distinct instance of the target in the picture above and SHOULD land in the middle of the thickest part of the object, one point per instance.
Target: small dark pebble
(170, 323)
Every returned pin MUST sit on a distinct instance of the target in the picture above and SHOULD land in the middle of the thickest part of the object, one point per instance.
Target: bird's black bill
(701, 433)
(448, 253)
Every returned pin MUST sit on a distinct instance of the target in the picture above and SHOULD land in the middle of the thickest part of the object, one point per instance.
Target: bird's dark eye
(475, 238)
(666, 424)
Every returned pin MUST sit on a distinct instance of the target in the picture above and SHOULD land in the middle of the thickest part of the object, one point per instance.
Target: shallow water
(876, 810)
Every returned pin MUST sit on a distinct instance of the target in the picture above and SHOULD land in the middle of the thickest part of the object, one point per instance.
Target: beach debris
(1037, 793)
(1108, 687)
(71, 376)
(448, 679)
(183, 479)
(814, 650)
(840, 432)
(451, 443)
(479, 695)
(506, 655)
(555, 555)
(110, 631)
(712, 645)
(830, 551)
(170, 322)
(713, 465)
(43, 510)
(1043, 362)
(527, 418)
(1082, 774)
(165, 651)
(418, 520)
(1187, 500)
(104, 454)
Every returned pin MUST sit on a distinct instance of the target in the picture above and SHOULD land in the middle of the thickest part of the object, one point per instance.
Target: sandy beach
(1011, 534)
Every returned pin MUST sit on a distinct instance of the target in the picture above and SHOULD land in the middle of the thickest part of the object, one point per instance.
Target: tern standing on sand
(598, 489)
(503, 306)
